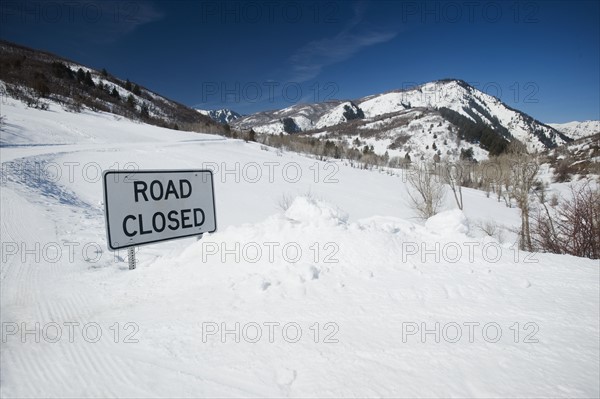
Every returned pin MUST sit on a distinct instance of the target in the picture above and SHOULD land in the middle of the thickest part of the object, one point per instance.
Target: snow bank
(448, 223)
(314, 212)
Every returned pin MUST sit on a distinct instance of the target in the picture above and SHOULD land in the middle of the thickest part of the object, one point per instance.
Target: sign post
(150, 206)
(131, 257)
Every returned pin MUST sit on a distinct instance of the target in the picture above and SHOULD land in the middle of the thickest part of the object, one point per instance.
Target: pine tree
(62, 71)
(130, 101)
(128, 85)
(289, 126)
(39, 84)
(466, 155)
(80, 75)
(144, 112)
(88, 79)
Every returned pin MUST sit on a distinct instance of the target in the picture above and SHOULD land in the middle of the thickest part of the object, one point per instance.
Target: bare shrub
(285, 201)
(571, 227)
(563, 171)
(425, 191)
(489, 227)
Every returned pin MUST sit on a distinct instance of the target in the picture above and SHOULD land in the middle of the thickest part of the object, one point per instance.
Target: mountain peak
(434, 118)
(223, 115)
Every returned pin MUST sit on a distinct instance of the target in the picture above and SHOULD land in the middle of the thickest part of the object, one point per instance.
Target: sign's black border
(124, 172)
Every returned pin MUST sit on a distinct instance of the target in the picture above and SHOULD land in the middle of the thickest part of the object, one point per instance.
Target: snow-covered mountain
(576, 130)
(413, 120)
(305, 117)
(221, 115)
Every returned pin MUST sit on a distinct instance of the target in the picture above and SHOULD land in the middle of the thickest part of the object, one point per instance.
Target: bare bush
(489, 227)
(571, 227)
(563, 171)
(285, 202)
(425, 191)
(492, 229)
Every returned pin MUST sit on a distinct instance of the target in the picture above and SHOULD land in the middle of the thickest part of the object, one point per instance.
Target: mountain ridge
(578, 129)
(36, 77)
(456, 95)
(223, 115)
(431, 121)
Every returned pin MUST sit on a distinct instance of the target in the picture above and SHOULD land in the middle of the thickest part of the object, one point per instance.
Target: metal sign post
(150, 206)
(131, 257)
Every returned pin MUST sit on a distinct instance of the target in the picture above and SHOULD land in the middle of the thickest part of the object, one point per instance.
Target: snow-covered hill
(221, 115)
(380, 114)
(305, 116)
(577, 130)
(36, 76)
(318, 282)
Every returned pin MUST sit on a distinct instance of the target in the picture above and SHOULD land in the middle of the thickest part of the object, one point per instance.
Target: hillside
(577, 129)
(577, 158)
(442, 117)
(221, 115)
(37, 77)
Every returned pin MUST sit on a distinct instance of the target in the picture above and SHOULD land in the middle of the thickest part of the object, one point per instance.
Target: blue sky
(540, 57)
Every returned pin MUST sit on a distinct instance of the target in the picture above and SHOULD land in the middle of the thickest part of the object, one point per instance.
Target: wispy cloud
(309, 60)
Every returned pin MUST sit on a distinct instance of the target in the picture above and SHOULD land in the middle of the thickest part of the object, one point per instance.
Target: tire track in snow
(25, 278)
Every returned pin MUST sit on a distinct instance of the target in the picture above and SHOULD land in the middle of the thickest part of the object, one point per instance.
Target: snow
(335, 116)
(383, 109)
(576, 129)
(340, 294)
(452, 95)
(448, 223)
(421, 134)
(220, 115)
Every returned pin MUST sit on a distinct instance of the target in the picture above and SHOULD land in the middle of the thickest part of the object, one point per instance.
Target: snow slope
(336, 293)
(468, 101)
(221, 115)
(452, 94)
(577, 130)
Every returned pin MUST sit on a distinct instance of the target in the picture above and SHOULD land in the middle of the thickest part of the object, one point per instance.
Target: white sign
(149, 206)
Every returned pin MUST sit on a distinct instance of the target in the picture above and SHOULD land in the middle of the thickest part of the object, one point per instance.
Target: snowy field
(319, 282)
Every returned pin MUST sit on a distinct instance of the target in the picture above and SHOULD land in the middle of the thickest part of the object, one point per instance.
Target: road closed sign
(150, 206)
